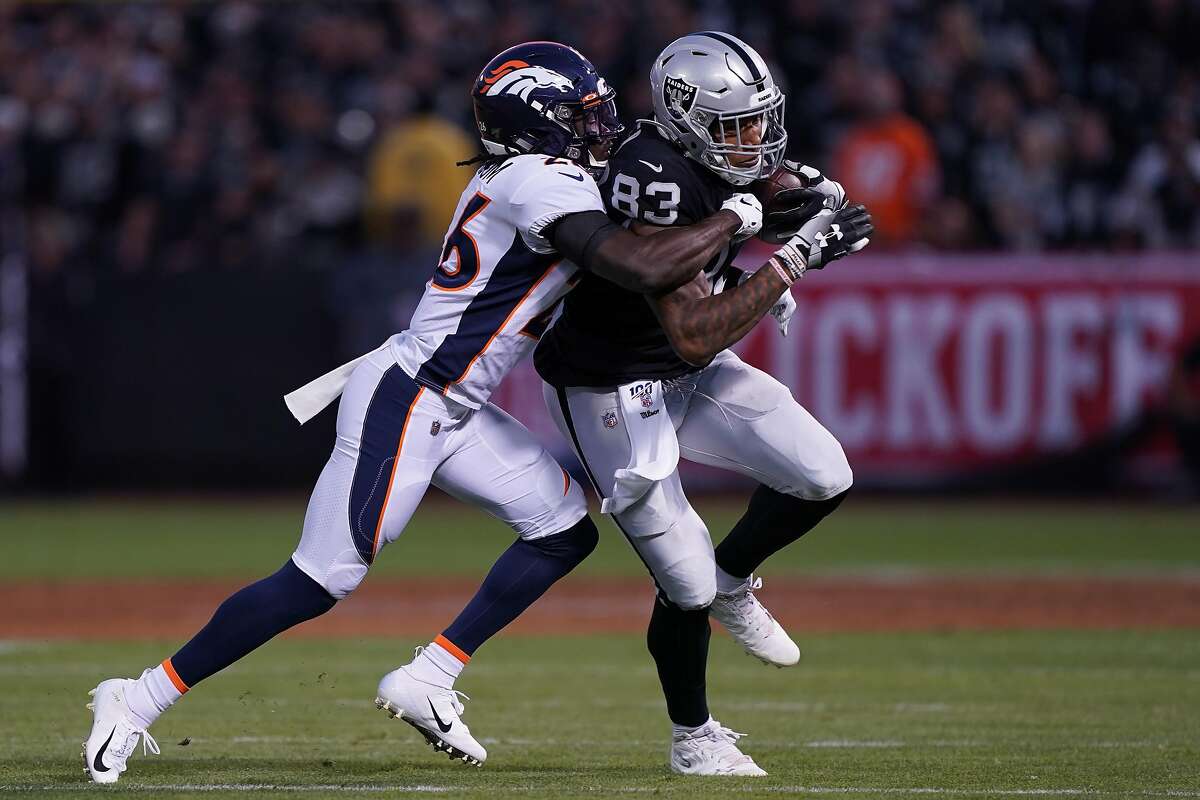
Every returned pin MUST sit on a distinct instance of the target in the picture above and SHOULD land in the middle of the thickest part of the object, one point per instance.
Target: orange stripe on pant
(392, 474)
(451, 648)
(169, 668)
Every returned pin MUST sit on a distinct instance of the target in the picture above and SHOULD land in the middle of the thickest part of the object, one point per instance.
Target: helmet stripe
(502, 70)
(736, 47)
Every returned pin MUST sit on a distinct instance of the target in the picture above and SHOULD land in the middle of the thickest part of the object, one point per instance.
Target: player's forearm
(667, 260)
(699, 328)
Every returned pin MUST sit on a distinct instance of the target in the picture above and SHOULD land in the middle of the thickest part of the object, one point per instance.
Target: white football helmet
(707, 88)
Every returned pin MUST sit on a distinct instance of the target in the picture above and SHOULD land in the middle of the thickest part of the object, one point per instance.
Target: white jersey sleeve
(560, 189)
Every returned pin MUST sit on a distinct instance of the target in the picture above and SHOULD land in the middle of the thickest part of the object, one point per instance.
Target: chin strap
(478, 159)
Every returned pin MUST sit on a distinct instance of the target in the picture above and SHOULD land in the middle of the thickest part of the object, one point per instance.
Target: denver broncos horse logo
(519, 78)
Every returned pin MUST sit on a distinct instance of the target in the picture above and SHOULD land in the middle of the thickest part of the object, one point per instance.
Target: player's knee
(340, 577)
(694, 597)
(691, 586)
(829, 477)
(553, 517)
(834, 478)
(571, 546)
(294, 588)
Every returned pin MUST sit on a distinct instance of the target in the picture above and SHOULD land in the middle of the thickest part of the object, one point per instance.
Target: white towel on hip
(312, 398)
(654, 450)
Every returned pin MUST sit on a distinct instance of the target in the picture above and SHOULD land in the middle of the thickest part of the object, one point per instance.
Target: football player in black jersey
(636, 381)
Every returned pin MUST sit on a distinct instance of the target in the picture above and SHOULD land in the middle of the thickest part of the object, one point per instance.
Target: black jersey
(606, 335)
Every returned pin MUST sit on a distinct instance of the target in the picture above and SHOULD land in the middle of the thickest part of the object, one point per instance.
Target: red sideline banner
(923, 365)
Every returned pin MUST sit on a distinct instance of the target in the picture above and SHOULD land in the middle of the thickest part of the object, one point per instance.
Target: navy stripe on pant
(382, 433)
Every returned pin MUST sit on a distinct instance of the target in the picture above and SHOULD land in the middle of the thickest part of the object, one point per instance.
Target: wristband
(791, 259)
(782, 272)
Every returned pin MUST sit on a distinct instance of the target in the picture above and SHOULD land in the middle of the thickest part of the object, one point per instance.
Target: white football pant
(729, 415)
(395, 438)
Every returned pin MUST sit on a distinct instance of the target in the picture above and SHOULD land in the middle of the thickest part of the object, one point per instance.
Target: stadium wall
(933, 371)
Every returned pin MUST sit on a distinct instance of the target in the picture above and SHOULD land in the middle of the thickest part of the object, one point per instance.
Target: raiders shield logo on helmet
(679, 95)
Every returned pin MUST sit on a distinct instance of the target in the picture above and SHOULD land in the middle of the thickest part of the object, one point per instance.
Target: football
(765, 189)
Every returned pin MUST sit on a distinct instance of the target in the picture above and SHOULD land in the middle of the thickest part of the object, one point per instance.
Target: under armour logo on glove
(828, 236)
(835, 232)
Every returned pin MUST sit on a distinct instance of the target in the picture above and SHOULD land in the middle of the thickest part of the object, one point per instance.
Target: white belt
(654, 448)
(312, 398)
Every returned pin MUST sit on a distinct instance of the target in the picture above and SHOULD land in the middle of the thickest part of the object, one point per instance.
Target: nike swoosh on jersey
(442, 726)
(571, 175)
(655, 167)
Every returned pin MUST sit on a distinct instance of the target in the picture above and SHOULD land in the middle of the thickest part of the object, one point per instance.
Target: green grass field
(205, 538)
(968, 714)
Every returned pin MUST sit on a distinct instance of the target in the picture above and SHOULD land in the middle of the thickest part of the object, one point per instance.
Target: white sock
(437, 665)
(151, 695)
(728, 584)
(684, 730)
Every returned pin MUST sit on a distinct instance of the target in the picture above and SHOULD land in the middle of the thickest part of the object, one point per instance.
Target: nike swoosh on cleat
(655, 167)
(443, 727)
(96, 762)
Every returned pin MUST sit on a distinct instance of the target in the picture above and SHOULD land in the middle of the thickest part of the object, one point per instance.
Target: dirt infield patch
(137, 610)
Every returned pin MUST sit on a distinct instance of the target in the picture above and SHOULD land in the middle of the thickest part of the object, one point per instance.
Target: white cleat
(435, 712)
(114, 733)
(711, 750)
(753, 626)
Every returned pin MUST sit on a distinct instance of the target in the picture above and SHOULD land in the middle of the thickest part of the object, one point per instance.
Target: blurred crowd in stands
(169, 137)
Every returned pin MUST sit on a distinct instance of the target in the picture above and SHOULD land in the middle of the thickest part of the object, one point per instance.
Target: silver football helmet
(709, 90)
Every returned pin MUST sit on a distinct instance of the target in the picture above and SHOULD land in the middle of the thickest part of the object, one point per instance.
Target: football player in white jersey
(416, 411)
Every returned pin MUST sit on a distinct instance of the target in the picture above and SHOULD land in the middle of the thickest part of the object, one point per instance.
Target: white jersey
(499, 279)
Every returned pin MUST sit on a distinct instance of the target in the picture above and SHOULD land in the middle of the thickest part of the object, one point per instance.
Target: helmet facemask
(724, 146)
(592, 122)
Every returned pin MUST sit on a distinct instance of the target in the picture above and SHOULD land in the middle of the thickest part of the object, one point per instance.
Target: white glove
(749, 211)
(835, 193)
(783, 309)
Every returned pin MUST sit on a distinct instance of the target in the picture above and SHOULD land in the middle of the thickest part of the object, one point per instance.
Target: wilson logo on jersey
(519, 78)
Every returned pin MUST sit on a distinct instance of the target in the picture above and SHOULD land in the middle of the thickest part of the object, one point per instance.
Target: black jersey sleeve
(651, 183)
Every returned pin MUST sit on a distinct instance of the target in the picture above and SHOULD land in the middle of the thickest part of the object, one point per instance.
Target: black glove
(791, 208)
(828, 236)
(849, 231)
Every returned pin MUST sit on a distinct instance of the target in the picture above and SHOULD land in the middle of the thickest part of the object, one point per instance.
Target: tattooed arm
(701, 324)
